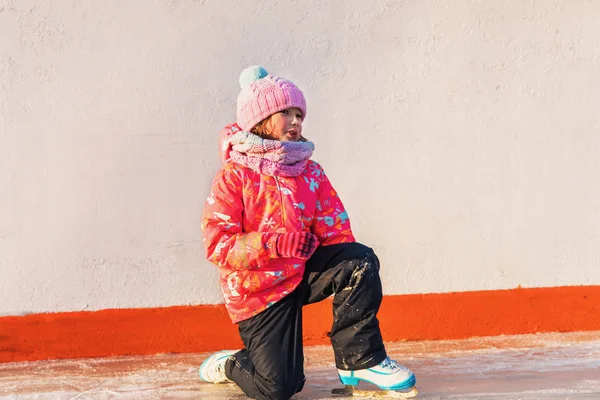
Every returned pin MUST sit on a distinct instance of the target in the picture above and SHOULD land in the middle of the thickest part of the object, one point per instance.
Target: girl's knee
(368, 262)
(282, 390)
(358, 251)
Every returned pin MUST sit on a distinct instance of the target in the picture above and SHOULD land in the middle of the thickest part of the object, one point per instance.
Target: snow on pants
(271, 366)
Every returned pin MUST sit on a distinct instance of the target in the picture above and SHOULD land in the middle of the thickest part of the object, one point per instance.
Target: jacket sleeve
(225, 243)
(331, 224)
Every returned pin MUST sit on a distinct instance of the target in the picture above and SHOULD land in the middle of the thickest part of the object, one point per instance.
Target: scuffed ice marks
(151, 377)
(552, 366)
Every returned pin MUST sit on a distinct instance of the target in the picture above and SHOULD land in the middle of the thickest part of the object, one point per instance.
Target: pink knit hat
(263, 95)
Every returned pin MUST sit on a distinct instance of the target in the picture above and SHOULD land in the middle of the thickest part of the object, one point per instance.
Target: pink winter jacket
(242, 218)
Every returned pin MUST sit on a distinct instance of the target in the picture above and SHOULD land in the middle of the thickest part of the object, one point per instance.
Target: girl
(281, 238)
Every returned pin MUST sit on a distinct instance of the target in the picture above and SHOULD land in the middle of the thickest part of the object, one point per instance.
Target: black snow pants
(271, 366)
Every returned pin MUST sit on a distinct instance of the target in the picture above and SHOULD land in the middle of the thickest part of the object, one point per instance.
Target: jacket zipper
(281, 202)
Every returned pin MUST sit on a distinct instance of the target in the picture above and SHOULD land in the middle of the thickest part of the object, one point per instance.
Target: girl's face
(286, 125)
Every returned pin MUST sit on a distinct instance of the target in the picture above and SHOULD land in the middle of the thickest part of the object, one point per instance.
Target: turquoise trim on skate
(219, 355)
(202, 367)
(353, 381)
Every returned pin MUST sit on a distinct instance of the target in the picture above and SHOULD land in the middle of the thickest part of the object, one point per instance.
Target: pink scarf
(268, 157)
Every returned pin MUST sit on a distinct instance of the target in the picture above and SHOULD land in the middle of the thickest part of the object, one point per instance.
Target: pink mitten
(297, 244)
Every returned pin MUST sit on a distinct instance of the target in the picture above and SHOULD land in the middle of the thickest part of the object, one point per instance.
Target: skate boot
(388, 375)
(213, 368)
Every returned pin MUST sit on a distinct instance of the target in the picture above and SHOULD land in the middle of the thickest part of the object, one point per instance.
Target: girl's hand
(297, 244)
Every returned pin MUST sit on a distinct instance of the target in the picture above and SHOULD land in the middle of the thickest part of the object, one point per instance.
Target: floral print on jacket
(242, 218)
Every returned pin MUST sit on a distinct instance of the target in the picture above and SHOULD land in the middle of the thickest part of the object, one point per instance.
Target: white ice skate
(213, 368)
(395, 380)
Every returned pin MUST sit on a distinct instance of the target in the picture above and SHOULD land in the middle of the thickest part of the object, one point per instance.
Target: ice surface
(543, 366)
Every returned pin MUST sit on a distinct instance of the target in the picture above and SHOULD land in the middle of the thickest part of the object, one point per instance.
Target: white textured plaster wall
(463, 137)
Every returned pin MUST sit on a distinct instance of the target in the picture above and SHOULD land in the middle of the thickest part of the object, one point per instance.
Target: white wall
(463, 137)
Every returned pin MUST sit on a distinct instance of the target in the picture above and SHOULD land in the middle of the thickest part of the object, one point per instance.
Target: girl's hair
(261, 130)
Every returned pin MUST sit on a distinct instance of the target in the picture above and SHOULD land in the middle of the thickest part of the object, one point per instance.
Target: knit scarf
(269, 157)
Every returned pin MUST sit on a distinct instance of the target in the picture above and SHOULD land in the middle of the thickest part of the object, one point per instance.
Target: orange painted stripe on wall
(207, 327)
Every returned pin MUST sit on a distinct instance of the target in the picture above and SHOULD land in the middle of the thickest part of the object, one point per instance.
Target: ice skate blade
(350, 391)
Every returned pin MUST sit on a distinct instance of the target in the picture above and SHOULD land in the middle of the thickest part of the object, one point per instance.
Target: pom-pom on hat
(263, 95)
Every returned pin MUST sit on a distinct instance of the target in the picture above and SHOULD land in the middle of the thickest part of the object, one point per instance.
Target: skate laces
(220, 370)
(388, 363)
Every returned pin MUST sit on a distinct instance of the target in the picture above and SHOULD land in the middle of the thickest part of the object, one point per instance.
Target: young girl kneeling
(281, 238)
